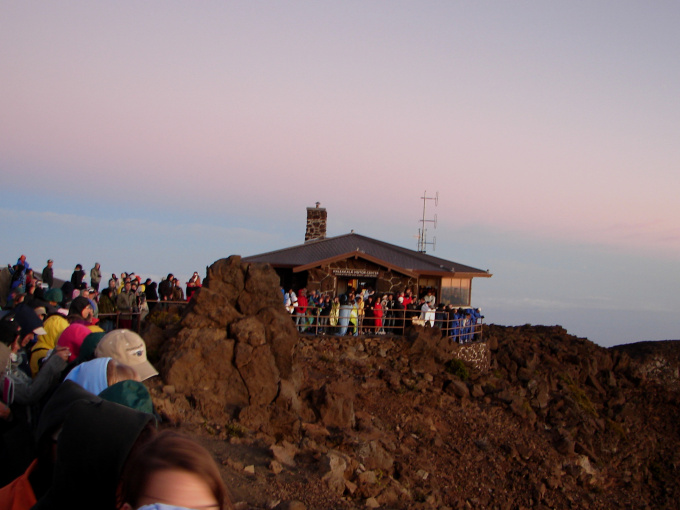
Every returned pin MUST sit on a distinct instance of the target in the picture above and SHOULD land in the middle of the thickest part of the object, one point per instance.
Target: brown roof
(323, 251)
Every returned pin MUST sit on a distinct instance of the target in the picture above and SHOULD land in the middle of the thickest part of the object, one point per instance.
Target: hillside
(545, 420)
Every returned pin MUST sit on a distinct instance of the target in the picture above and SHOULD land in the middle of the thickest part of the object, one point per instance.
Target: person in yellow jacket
(54, 325)
(354, 319)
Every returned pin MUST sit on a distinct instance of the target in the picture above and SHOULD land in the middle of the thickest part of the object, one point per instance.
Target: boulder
(284, 453)
(334, 403)
(234, 348)
(333, 466)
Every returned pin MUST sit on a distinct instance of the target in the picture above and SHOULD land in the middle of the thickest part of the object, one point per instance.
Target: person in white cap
(127, 347)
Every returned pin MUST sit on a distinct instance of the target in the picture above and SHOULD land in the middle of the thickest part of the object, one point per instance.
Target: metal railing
(315, 322)
(132, 320)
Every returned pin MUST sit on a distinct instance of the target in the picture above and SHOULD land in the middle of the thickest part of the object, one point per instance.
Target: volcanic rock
(234, 347)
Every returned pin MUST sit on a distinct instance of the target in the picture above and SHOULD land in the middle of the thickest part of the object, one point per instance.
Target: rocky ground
(549, 421)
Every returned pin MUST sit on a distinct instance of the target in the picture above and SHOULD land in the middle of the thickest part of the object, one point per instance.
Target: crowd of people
(77, 424)
(364, 311)
(125, 300)
(72, 370)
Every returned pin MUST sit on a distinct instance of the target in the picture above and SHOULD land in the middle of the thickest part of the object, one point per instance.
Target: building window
(456, 291)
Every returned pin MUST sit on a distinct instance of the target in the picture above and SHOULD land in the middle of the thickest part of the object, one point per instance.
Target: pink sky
(555, 123)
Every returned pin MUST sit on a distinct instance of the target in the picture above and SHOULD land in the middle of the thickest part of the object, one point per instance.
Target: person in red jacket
(301, 310)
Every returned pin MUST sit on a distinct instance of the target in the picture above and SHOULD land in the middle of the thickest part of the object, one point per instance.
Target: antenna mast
(422, 231)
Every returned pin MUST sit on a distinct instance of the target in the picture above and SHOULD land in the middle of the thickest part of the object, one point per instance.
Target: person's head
(54, 296)
(10, 331)
(117, 372)
(128, 285)
(173, 470)
(80, 307)
(18, 295)
(88, 346)
(50, 263)
(79, 267)
(41, 312)
(98, 374)
(128, 348)
(112, 283)
(73, 337)
(96, 265)
(29, 322)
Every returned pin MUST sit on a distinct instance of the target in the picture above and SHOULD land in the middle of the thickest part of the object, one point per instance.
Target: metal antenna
(422, 231)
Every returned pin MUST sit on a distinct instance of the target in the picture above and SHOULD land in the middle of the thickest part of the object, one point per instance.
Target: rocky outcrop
(233, 350)
(531, 418)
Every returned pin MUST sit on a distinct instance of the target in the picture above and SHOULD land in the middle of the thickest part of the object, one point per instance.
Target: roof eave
(355, 254)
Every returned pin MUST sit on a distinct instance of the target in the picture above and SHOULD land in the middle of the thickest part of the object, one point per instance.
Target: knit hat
(54, 295)
(131, 394)
(73, 337)
(78, 305)
(127, 347)
(89, 345)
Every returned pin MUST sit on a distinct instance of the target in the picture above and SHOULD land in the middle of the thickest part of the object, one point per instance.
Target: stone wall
(316, 223)
(391, 282)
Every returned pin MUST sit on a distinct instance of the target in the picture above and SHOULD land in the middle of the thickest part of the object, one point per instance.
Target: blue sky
(159, 137)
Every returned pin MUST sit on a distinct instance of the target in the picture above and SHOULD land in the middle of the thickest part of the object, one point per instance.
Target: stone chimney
(316, 223)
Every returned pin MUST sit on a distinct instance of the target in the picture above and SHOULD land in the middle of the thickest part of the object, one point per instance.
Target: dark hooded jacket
(77, 279)
(94, 444)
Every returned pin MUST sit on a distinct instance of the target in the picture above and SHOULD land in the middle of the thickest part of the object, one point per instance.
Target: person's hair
(169, 450)
(117, 372)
